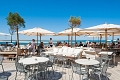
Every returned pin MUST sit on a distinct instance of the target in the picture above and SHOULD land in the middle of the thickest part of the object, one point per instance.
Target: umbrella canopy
(68, 32)
(105, 28)
(4, 34)
(36, 32)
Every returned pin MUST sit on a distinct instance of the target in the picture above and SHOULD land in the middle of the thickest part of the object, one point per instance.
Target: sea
(25, 42)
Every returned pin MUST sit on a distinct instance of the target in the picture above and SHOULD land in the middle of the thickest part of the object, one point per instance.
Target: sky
(53, 15)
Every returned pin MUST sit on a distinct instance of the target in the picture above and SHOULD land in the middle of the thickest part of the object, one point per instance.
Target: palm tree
(11, 33)
(15, 21)
(74, 22)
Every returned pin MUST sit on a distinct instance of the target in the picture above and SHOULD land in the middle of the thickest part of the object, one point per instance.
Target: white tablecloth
(87, 61)
(55, 53)
(105, 52)
(33, 60)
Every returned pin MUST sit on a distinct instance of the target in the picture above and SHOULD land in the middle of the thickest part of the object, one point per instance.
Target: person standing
(33, 46)
(118, 41)
(50, 42)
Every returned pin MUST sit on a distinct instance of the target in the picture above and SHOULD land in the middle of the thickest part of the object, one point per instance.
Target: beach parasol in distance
(68, 32)
(105, 28)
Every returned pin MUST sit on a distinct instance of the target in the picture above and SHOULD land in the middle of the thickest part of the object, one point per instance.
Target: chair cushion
(91, 49)
(71, 50)
(78, 52)
(60, 50)
(65, 50)
(55, 49)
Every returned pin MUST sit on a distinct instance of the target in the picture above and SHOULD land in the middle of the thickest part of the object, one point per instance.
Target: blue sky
(53, 15)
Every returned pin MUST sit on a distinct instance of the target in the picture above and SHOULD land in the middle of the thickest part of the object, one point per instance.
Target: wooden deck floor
(61, 73)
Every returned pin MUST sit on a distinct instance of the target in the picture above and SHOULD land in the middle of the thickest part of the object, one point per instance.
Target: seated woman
(112, 45)
(57, 44)
(81, 44)
(41, 45)
(76, 44)
(29, 45)
(65, 44)
(60, 44)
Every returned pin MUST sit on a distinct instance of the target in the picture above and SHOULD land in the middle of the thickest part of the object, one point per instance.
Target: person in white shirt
(29, 45)
(33, 46)
(50, 42)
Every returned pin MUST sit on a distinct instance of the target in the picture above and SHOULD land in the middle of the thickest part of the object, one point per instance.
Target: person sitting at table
(60, 44)
(118, 45)
(57, 44)
(112, 45)
(6, 44)
(40, 47)
(76, 44)
(65, 44)
(29, 45)
(81, 44)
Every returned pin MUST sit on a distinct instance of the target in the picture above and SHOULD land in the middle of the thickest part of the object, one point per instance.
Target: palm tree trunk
(17, 37)
(11, 38)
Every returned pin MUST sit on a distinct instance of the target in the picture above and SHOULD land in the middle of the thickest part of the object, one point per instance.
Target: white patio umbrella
(36, 32)
(105, 28)
(97, 34)
(68, 32)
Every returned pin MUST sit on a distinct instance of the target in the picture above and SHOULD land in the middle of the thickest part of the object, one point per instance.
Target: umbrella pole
(37, 38)
(40, 37)
(100, 41)
(68, 39)
(112, 36)
(75, 37)
(105, 39)
(71, 36)
(93, 38)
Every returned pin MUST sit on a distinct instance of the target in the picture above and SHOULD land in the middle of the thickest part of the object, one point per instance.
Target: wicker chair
(76, 68)
(21, 68)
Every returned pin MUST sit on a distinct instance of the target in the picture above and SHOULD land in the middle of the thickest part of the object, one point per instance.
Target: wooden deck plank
(66, 72)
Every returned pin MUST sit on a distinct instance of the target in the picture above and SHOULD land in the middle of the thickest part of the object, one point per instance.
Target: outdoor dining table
(105, 52)
(48, 52)
(87, 63)
(109, 54)
(33, 60)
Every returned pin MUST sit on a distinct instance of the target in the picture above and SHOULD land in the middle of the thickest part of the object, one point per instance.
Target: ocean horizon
(25, 42)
